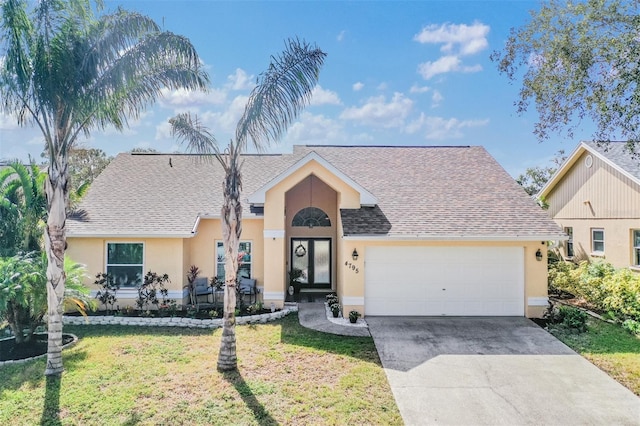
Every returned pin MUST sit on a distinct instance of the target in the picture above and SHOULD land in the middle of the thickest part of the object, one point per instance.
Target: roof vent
(588, 161)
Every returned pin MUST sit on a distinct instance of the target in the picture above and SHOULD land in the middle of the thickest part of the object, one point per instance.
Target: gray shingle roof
(459, 192)
(618, 154)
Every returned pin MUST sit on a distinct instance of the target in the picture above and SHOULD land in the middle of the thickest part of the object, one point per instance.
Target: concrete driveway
(494, 371)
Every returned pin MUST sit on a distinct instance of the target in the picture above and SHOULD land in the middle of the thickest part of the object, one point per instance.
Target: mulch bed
(38, 346)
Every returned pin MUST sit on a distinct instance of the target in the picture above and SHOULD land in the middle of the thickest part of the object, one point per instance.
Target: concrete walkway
(494, 371)
(314, 316)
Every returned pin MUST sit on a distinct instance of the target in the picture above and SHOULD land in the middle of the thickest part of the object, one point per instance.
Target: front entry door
(313, 257)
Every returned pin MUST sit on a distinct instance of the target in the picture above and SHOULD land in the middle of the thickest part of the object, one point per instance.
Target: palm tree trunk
(55, 244)
(231, 229)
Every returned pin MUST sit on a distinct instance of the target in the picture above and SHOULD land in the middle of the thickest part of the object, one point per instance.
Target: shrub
(562, 277)
(148, 291)
(622, 294)
(568, 317)
(108, 287)
(631, 326)
(591, 283)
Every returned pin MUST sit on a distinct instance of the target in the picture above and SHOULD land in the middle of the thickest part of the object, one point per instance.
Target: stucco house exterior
(595, 197)
(393, 230)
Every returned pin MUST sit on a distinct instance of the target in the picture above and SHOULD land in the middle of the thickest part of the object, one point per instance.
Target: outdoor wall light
(354, 255)
(539, 256)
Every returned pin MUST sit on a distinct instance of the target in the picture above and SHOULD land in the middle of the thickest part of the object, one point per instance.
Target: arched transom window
(311, 217)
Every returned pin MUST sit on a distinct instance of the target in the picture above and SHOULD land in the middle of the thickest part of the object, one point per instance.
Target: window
(244, 260)
(597, 240)
(636, 247)
(125, 263)
(568, 248)
(310, 217)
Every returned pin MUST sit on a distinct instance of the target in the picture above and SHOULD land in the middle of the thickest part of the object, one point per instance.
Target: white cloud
(223, 124)
(357, 86)
(8, 122)
(438, 128)
(457, 40)
(340, 36)
(320, 96)
(163, 130)
(382, 87)
(419, 89)
(436, 98)
(313, 129)
(182, 98)
(240, 80)
(460, 38)
(378, 112)
(444, 65)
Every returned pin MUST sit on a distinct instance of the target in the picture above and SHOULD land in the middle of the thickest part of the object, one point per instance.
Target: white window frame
(107, 264)
(569, 243)
(595, 252)
(218, 262)
(635, 250)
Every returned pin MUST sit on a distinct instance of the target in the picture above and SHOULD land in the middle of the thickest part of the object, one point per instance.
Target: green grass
(134, 375)
(611, 348)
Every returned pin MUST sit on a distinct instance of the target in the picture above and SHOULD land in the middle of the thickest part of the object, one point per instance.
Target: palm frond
(188, 129)
(281, 93)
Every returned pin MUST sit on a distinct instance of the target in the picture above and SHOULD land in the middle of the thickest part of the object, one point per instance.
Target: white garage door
(472, 281)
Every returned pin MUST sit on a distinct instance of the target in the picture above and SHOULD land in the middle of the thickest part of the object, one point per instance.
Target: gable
(352, 194)
(590, 185)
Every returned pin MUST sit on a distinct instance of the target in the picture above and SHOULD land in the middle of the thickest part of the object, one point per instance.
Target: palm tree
(69, 71)
(280, 94)
(23, 207)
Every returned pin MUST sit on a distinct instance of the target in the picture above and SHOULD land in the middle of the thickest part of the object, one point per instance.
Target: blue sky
(396, 73)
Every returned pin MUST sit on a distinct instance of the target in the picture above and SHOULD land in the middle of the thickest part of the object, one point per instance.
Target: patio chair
(248, 287)
(201, 286)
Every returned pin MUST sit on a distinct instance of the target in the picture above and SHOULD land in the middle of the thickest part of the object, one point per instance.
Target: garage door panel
(444, 281)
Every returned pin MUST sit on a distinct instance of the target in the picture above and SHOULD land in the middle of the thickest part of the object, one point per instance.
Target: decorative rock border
(21, 361)
(175, 321)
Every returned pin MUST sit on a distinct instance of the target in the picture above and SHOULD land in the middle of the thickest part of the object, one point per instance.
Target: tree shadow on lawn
(51, 410)
(361, 348)
(261, 415)
(13, 376)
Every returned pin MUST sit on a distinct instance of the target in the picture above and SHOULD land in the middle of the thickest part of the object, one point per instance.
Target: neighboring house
(595, 197)
(393, 230)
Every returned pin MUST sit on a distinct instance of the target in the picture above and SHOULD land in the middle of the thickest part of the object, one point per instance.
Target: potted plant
(353, 316)
(335, 310)
(294, 280)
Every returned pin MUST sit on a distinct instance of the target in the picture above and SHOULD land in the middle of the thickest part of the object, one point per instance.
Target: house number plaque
(351, 266)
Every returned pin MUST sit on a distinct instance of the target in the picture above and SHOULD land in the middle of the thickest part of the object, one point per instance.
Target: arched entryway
(311, 217)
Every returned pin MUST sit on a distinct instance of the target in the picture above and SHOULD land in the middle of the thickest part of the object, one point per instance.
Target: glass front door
(313, 257)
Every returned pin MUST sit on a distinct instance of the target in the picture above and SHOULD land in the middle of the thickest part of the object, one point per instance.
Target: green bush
(562, 277)
(622, 294)
(632, 326)
(613, 291)
(568, 317)
(592, 281)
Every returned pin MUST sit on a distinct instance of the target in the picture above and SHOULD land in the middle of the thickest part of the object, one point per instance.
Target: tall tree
(535, 178)
(70, 71)
(580, 62)
(279, 96)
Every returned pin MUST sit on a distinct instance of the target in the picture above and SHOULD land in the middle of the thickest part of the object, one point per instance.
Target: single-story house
(393, 230)
(595, 197)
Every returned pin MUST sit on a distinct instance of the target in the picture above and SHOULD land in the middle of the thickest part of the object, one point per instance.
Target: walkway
(313, 315)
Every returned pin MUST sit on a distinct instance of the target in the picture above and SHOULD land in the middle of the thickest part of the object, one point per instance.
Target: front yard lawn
(612, 349)
(134, 375)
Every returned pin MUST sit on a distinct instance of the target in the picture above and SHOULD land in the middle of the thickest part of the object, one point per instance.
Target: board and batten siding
(596, 192)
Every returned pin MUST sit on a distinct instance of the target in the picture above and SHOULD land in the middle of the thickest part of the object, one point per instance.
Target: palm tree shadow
(261, 415)
(51, 409)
